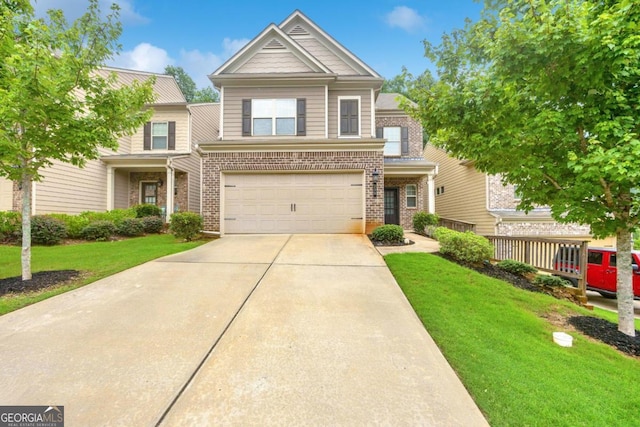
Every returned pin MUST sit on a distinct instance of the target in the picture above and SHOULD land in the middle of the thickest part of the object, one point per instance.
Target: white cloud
(73, 9)
(144, 57)
(198, 64)
(405, 18)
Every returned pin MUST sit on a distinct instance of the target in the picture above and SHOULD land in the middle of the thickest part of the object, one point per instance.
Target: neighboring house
(465, 194)
(300, 148)
(156, 165)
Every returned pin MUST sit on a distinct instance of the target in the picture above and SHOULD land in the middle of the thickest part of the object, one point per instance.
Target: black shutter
(301, 116)
(379, 132)
(246, 117)
(172, 136)
(147, 136)
(349, 117)
(404, 140)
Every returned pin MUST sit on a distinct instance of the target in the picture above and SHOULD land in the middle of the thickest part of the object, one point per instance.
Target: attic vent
(274, 44)
(298, 31)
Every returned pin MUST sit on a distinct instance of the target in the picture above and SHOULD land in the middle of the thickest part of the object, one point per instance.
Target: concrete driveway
(246, 330)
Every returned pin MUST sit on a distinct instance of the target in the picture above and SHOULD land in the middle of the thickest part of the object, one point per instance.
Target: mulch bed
(39, 280)
(596, 328)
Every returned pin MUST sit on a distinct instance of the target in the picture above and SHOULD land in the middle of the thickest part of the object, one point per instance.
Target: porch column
(110, 185)
(431, 190)
(169, 188)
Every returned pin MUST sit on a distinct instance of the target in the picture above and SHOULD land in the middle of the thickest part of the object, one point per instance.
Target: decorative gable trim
(274, 44)
(298, 30)
(293, 21)
(271, 34)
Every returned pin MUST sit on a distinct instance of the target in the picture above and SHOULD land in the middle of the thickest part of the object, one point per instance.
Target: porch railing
(457, 225)
(567, 258)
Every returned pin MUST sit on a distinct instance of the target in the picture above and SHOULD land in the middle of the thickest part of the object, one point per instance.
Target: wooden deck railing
(457, 225)
(567, 258)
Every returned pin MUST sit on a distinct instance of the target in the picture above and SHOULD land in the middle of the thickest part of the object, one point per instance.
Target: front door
(391, 206)
(150, 193)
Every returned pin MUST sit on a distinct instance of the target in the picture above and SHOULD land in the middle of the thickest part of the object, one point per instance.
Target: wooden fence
(456, 225)
(566, 258)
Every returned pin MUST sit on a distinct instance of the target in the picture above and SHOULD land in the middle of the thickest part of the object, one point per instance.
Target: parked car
(601, 269)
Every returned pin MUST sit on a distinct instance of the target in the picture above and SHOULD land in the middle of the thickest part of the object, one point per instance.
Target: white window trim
(274, 117)
(406, 194)
(166, 147)
(359, 99)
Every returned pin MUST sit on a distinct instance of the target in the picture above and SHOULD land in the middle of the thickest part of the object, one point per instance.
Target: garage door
(293, 203)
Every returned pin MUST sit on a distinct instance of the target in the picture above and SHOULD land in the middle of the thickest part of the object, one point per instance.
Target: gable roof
(390, 101)
(315, 51)
(165, 87)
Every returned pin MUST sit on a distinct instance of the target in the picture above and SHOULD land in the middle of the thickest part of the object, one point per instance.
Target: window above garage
(272, 117)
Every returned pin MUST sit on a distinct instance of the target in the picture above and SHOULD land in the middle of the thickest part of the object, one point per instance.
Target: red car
(601, 269)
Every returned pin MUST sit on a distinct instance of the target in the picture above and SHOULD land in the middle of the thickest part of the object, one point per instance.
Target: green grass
(499, 343)
(95, 260)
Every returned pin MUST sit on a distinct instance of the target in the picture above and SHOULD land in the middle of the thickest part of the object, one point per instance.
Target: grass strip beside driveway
(96, 260)
(499, 343)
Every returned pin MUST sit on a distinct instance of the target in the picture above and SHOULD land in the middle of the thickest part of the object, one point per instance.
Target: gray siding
(232, 111)
(121, 189)
(180, 115)
(324, 55)
(191, 165)
(205, 120)
(366, 128)
(274, 62)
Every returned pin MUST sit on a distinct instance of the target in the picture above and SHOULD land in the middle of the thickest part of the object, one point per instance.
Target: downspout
(170, 186)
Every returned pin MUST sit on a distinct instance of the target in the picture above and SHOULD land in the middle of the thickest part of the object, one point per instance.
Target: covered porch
(152, 179)
(407, 184)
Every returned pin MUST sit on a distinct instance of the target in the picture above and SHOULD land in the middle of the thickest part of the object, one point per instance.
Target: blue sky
(200, 35)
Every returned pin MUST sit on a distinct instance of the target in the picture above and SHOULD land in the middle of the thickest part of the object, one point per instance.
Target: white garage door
(293, 203)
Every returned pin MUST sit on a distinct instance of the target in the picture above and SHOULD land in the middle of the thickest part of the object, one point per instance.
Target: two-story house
(300, 147)
(157, 165)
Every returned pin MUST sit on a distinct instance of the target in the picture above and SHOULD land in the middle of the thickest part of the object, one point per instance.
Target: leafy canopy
(546, 93)
(189, 88)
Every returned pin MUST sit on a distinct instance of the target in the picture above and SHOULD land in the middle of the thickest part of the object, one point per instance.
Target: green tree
(53, 103)
(547, 93)
(188, 86)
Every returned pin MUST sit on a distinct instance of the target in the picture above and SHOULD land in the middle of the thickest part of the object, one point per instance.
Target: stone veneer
(541, 228)
(406, 213)
(501, 196)
(215, 163)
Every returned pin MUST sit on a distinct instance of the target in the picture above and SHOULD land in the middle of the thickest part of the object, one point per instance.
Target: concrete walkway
(246, 330)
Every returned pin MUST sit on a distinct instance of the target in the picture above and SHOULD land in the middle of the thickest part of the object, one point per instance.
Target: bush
(388, 234)
(99, 230)
(152, 224)
(131, 227)
(465, 247)
(422, 219)
(10, 226)
(115, 216)
(186, 225)
(146, 209)
(74, 223)
(516, 267)
(442, 233)
(47, 230)
(546, 280)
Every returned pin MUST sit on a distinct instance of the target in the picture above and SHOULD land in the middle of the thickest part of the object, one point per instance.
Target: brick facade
(180, 196)
(213, 164)
(406, 213)
(546, 228)
(415, 132)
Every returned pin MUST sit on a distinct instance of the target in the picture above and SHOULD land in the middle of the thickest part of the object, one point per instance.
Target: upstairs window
(159, 136)
(349, 116)
(397, 140)
(269, 117)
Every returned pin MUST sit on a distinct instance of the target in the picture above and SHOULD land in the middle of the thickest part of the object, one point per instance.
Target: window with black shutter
(349, 117)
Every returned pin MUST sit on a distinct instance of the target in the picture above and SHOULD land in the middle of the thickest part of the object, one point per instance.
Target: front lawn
(96, 260)
(499, 341)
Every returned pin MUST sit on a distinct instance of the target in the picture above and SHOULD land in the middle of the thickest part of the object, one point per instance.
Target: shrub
(131, 227)
(146, 209)
(465, 247)
(186, 225)
(443, 233)
(152, 224)
(74, 224)
(47, 230)
(10, 226)
(99, 230)
(422, 219)
(546, 280)
(388, 234)
(116, 216)
(516, 267)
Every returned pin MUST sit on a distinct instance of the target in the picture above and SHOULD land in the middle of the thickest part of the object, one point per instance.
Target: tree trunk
(624, 291)
(26, 226)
